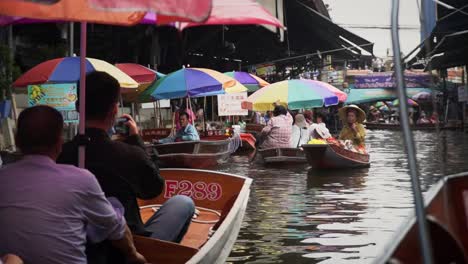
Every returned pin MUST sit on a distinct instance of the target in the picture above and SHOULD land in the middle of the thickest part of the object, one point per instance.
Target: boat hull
(385, 126)
(446, 205)
(329, 156)
(230, 200)
(248, 142)
(193, 154)
(282, 155)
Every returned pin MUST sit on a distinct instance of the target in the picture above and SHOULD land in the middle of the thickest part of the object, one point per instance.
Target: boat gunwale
(230, 217)
(198, 155)
(329, 146)
(406, 225)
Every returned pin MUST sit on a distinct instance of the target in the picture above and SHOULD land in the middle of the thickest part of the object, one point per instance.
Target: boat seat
(158, 251)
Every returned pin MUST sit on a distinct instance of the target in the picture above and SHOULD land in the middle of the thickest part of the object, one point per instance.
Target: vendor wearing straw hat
(352, 117)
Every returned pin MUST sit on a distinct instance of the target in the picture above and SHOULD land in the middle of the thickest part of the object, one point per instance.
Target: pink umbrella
(236, 12)
(342, 96)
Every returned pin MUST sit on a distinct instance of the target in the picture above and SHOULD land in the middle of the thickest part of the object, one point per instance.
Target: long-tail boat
(328, 156)
(221, 200)
(282, 155)
(192, 154)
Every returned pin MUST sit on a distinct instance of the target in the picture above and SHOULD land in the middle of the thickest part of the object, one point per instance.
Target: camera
(120, 127)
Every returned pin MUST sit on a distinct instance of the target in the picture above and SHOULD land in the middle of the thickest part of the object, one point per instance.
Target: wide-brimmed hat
(299, 120)
(361, 116)
(323, 132)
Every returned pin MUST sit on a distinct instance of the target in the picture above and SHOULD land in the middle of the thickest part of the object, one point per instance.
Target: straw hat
(361, 116)
(323, 132)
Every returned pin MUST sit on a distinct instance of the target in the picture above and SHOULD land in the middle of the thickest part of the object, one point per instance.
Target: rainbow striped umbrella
(67, 70)
(252, 82)
(411, 102)
(193, 82)
(294, 94)
(342, 96)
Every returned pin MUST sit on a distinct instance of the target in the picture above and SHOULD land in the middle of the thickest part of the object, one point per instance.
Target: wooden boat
(253, 128)
(282, 155)
(447, 214)
(248, 142)
(325, 156)
(388, 126)
(193, 154)
(221, 199)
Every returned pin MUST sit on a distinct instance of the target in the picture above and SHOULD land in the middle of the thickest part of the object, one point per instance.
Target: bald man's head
(39, 131)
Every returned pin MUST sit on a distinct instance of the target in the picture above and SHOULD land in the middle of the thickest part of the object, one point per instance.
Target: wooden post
(204, 107)
(155, 115)
(466, 92)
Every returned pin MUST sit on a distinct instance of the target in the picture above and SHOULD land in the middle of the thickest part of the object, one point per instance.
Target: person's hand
(132, 126)
(136, 258)
(354, 127)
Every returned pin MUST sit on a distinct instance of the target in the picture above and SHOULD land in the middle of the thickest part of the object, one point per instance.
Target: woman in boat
(300, 131)
(277, 133)
(238, 121)
(352, 117)
(319, 130)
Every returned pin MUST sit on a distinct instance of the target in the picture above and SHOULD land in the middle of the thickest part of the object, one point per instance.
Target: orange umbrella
(114, 12)
(82, 11)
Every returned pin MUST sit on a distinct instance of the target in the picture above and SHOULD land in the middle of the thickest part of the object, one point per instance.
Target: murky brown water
(296, 215)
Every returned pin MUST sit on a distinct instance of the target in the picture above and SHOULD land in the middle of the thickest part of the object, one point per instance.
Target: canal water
(298, 215)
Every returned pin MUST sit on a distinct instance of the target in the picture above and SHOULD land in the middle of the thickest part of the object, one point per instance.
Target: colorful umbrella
(384, 108)
(411, 102)
(193, 82)
(115, 12)
(67, 70)
(422, 97)
(236, 12)
(252, 82)
(342, 96)
(369, 95)
(142, 75)
(168, 10)
(294, 94)
(379, 104)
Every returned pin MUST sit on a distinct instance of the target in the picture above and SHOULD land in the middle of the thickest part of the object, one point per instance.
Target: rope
(155, 208)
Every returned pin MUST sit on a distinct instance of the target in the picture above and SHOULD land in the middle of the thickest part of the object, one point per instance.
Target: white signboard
(230, 104)
(462, 94)
(162, 104)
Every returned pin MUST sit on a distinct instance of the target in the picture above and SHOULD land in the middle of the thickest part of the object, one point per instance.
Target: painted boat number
(197, 191)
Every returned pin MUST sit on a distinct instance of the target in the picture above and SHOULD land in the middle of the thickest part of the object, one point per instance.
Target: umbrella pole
(81, 147)
(204, 107)
(160, 122)
(155, 116)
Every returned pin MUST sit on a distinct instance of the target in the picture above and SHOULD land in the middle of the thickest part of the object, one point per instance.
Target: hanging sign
(230, 104)
(59, 96)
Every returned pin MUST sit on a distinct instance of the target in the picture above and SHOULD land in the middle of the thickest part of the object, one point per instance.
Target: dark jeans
(169, 223)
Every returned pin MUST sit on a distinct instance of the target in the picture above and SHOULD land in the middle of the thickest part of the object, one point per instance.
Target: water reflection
(299, 215)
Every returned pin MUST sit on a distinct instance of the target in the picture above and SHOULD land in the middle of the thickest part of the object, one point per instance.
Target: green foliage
(9, 72)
